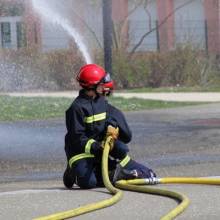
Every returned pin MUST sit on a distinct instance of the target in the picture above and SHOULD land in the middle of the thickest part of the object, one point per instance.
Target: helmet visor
(106, 78)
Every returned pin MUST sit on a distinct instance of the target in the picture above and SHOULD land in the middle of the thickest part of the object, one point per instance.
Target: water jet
(55, 18)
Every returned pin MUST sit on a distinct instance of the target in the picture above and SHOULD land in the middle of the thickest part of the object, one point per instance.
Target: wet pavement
(31, 150)
(168, 137)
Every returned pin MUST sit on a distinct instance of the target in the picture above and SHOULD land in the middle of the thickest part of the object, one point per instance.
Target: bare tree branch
(153, 29)
(148, 14)
(88, 27)
(118, 28)
(115, 37)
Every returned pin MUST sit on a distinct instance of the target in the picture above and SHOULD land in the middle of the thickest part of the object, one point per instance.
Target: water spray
(52, 16)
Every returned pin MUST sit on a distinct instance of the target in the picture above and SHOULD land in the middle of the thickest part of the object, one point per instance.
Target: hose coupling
(152, 181)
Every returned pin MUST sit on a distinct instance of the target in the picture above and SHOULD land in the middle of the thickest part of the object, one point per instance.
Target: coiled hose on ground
(137, 185)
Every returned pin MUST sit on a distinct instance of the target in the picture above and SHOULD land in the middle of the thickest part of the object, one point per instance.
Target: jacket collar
(82, 93)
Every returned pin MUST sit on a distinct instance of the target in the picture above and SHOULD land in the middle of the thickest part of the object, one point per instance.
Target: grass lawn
(23, 108)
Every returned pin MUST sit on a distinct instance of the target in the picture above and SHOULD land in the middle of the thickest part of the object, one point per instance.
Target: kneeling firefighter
(89, 119)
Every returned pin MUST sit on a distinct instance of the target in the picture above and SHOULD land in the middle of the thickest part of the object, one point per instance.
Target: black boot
(68, 178)
(124, 174)
(142, 171)
(132, 170)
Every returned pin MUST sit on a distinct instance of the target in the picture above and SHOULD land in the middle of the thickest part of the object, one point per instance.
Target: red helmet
(91, 75)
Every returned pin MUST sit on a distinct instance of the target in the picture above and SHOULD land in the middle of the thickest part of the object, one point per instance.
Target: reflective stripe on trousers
(79, 157)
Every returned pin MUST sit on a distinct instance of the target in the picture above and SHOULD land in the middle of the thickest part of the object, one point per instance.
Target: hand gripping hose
(135, 185)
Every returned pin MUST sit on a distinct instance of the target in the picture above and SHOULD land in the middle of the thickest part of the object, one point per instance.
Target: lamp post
(107, 34)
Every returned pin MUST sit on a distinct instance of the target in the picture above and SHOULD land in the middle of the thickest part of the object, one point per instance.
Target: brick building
(168, 23)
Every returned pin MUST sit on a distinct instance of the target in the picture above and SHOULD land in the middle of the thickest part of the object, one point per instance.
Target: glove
(113, 132)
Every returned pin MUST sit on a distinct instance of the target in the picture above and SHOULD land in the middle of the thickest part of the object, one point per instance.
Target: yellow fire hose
(135, 185)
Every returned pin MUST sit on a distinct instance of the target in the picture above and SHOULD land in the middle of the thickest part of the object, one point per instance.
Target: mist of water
(17, 77)
(55, 18)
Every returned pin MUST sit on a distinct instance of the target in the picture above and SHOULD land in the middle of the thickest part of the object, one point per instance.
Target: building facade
(153, 25)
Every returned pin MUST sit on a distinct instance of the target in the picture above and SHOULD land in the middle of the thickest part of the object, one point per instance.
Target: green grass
(135, 104)
(23, 108)
(175, 89)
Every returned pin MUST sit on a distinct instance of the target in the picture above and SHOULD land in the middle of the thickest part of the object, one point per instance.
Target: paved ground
(43, 198)
(174, 142)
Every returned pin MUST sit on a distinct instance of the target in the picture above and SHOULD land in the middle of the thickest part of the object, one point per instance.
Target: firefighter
(88, 120)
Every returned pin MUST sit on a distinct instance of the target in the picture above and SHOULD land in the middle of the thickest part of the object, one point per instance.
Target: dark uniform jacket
(86, 123)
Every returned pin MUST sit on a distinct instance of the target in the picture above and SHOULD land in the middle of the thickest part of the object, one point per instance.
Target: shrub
(29, 69)
(22, 70)
(184, 66)
(129, 74)
(63, 66)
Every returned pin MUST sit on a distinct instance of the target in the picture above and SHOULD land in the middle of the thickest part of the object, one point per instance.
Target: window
(21, 35)
(12, 32)
(6, 34)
